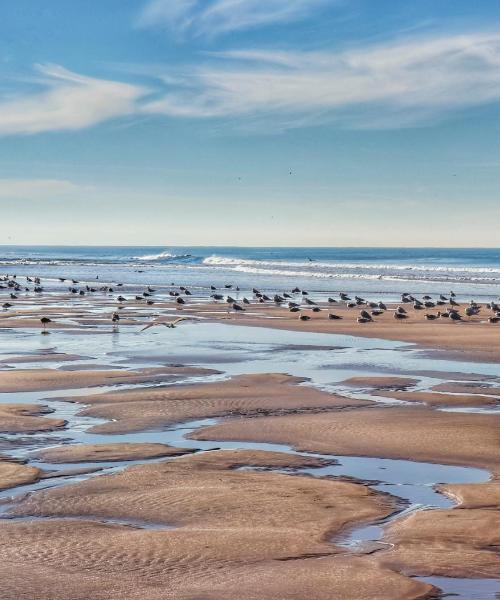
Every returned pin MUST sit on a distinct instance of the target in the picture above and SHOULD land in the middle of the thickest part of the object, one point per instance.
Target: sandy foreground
(250, 534)
(200, 527)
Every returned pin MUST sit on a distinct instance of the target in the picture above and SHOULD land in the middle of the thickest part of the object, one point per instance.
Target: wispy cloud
(394, 84)
(27, 189)
(214, 17)
(68, 101)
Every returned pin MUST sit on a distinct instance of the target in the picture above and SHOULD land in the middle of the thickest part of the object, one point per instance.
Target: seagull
(45, 321)
(432, 317)
(170, 324)
(399, 315)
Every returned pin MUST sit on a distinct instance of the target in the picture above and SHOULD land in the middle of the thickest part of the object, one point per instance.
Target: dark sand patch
(467, 388)
(45, 357)
(394, 383)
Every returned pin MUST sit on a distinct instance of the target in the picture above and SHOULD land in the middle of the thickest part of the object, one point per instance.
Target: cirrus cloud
(214, 17)
(393, 84)
(69, 101)
(410, 82)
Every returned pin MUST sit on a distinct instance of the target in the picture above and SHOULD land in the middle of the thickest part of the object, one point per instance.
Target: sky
(250, 122)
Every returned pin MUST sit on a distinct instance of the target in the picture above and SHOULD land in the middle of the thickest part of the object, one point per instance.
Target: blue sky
(284, 122)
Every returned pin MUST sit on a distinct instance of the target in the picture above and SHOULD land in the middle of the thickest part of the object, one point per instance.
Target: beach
(246, 452)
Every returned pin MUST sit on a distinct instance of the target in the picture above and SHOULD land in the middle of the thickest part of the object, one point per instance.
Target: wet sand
(246, 395)
(466, 338)
(470, 339)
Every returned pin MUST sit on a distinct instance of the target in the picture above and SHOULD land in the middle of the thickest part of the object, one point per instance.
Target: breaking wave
(349, 270)
(163, 256)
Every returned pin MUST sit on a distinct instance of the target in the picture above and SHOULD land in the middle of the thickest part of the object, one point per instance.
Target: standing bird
(45, 321)
(400, 315)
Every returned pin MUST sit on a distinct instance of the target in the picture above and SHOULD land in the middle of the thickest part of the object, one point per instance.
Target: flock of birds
(296, 300)
(450, 307)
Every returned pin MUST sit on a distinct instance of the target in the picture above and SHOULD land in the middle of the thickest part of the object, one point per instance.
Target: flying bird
(170, 324)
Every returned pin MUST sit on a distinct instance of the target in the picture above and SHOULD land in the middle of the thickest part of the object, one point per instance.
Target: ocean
(383, 271)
